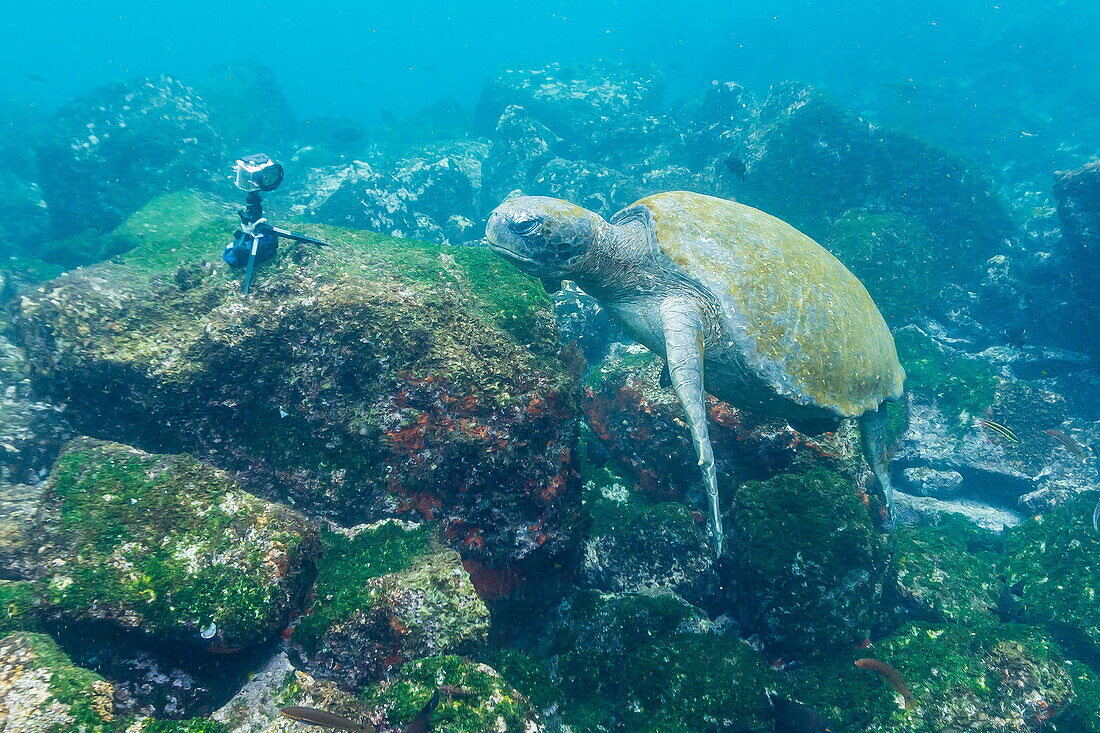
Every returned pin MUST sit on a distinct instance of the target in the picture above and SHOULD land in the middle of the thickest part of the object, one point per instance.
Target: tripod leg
(251, 266)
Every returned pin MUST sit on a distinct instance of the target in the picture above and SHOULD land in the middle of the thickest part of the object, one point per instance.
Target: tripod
(257, 239)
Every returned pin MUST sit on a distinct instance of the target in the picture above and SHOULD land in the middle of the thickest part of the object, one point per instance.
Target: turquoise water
(633, 367)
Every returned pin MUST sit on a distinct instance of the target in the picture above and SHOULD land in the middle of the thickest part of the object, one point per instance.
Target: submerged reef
(401, 467)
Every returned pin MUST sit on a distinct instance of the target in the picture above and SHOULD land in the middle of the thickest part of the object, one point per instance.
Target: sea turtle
(739, 303)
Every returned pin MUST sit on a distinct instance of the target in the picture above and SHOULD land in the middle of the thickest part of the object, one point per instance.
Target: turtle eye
(525, 227)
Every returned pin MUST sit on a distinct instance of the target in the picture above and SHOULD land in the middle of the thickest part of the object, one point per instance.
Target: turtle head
(544, 237)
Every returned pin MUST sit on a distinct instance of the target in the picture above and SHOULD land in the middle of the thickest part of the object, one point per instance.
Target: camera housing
(257, 173)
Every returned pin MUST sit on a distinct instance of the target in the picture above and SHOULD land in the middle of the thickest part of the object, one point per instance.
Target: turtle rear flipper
(874, 437)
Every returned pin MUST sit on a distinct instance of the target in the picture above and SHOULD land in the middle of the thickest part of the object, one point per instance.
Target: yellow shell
(799, 318)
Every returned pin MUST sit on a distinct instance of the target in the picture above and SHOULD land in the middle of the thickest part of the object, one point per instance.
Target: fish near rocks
(739, 303)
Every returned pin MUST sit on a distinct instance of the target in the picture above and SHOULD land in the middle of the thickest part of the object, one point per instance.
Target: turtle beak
(503, 239)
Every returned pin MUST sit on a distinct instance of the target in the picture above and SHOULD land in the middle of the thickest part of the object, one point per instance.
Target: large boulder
(43, 692)
(810, 563)
(996, 678)
(247, 107)
(385, 594)
(364, 379)
(170, 546)
(111, 151)
(605, 112)
(1078, 196)
(521, 146)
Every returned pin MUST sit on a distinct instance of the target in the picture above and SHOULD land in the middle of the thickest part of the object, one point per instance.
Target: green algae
(83, 696)
(964, 677)
(1054, 559)
(172, 541)
(963, 387)
(893, 255)
(491, 705)
(811, 563)
(197, 725)
(345, 566)
(947, 572)
(693, 682)
(19, 603)
(529, 674)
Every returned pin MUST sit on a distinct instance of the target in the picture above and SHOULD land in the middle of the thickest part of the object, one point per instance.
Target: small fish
(313, 716)
(1066, 440)
(36, 78)
(892, 676)
(793, 717)
(1001, 429)
(455, 691)
(1096, 518)
(736, 166)
(209, 631)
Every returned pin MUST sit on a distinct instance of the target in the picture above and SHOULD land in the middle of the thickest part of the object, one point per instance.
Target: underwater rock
(641, 425)
(19, 601)
(362, 379)
(1054, 558)
(18, 542)
(386, 594)
(603, 111)
(170, 546)
(31, 432)
(520, 147)
(810, 161)
(255, 708)
(716, 126)
(586, 184)
(945, 572)
(634, 546)
(996, 678)
(581, 319)
(111, 151)
(810, 562)
(247, 107)
(641, 660)
(1078, 196)
(910, 509)
(43, 692)
(924, 481)
(26, 221)
(482, 700)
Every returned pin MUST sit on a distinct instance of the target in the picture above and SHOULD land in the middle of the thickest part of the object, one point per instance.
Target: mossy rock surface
(385, 594)
(171, 546)
(19, 605)
(988, 677)
(1054, 560)
(43, 692)
(962, 387)
(811, 563)
(947, 572)
(486, 702)
(893, 256)
(370, 377)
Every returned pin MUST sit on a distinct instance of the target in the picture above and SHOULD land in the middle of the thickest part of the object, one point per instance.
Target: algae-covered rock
(989, 677)
(1078, 195)
(810, 561)
(642, 427)
(386, 594)
(635, 546)
(484, 701)
(362, 379)
(169, 545)
(1054, 560)
(43, 692)
(946, 572)
(18, 541)
(893, 255)
(112, 150)
(255, 708)
(19, 604)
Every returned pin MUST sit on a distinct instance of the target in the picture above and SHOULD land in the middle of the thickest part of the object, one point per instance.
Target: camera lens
(270, 177)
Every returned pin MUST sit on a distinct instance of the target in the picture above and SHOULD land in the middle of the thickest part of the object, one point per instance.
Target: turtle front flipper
(874, 437)
(683, 331)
